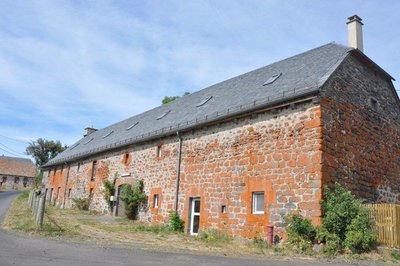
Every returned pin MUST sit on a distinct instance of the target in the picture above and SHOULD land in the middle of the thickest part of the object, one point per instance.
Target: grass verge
(84, 226)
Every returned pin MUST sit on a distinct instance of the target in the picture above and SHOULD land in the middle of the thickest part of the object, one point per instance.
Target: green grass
(395, 254)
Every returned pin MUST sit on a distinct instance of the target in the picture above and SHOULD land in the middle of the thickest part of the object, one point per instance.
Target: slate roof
(13, 166)
(300, 75)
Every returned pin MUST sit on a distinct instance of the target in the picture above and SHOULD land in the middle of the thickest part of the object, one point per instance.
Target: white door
(195, 216)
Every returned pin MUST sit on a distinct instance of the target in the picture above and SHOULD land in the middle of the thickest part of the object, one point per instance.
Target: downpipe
(178, 171)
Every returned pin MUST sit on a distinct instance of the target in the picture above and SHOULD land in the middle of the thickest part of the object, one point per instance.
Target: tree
(168, 99)
(43, 150)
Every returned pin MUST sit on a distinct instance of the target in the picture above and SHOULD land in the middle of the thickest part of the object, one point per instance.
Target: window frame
(254, 200)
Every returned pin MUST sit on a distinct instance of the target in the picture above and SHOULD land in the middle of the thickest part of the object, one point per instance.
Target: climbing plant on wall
(133, 198)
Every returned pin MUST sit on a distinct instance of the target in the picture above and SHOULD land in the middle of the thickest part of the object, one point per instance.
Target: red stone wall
(277, 152)
(361, 139)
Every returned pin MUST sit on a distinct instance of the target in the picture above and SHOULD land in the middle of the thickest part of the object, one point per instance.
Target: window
(158, 153)
(155, 201)
(204, 101)
(223, 209)
(78, 168)
(126, 158)
(108, 134)
(132, 126)
(94, 166)
(16, 180)
(88, 141)
(91, 192)
(62, 168)
(258, 203)
(374, 104)
(49, 173)
(163, 114)
(55, 170)
(69, 193)
(272, 79)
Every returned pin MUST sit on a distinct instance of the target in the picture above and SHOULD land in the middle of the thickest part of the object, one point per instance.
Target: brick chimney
(354, 32)
(88, 131)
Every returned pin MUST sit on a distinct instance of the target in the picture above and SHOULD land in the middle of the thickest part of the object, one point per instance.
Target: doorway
(119, 206)
(194, 216)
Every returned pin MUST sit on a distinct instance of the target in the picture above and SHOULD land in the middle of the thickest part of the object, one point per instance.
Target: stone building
(238, 155)
(16, 173)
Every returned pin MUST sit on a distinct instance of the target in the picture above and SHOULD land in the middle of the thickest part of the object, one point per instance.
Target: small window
(94, 166)
(223, 209)
(163, 115)
(108, 134)
(126, 158)
(155, 201)
(91, 192)
(55, 170)
(49, 173)
(88, 141)
(132, 126)
(258, 202)
(78, 168)
(16, 180)
(62, 168)
(204, 101)
(158, 152)
(374, 104)
(272, 79)
(69, 193)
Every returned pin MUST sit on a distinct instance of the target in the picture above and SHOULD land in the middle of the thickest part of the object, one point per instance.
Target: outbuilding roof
(13, 166)
(288, 79)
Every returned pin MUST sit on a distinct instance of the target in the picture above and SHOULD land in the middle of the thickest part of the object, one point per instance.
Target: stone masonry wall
(361, 133)
(275, 152)
(15, 182)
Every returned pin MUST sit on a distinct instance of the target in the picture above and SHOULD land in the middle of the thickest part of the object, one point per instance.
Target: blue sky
(65, 65)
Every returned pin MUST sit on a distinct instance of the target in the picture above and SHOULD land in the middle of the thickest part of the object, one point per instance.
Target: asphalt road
(16, 249)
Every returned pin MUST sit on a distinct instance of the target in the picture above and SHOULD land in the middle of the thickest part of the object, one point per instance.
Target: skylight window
(272, 79)
(163, 115)
(108, 134)
(87, 142)
(204, 101)
(74, 146)
(132, 126)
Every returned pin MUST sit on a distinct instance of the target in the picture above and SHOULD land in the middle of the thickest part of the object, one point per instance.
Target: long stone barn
(240, 154)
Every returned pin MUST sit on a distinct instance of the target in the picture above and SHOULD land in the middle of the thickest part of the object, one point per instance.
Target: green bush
(339, 208)
(133, 198)
(82, 203)
(301, 233)
(332, 244)
(109, 190)
(345, 223)
(175, 222)
(359, 237)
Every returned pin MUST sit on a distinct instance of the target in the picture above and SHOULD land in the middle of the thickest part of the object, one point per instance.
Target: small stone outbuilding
(16, 173)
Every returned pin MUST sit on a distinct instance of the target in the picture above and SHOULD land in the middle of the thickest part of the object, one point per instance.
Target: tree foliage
(43, 150)
(168, 99)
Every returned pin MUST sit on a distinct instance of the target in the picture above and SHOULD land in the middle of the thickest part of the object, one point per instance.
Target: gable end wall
(361, 140)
